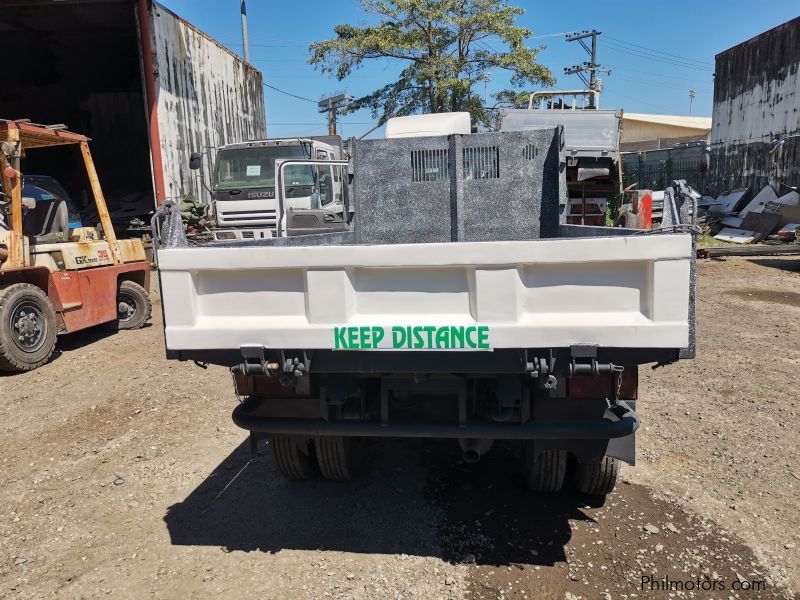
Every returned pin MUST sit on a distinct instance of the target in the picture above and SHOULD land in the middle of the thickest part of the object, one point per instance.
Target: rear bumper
(617, 422)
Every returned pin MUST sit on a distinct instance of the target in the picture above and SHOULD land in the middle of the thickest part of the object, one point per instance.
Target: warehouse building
(145, 85)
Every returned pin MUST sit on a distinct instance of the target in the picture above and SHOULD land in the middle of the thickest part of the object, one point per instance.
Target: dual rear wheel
(548, 470)
(339, 459)
(335, 457)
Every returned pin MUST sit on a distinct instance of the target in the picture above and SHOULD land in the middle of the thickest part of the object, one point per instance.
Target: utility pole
(245, 39)
(331, 104)
(692, 96)
(591, 67)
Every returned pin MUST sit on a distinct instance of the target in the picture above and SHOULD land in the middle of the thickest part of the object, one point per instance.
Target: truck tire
(544, 472)
(27, 328)
(133, 306)
(596, 477)
(290, 460)
(339, 458)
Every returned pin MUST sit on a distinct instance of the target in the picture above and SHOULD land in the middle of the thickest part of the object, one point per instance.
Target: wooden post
(100, 203)
(13, 187)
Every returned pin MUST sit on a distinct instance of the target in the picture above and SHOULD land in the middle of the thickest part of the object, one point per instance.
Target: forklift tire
(544, 472)
(133, 306)
(27, 328)
(293, 457)
(596, 477)
(339, 457)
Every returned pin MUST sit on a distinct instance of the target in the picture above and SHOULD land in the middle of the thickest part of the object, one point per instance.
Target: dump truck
(457, 304)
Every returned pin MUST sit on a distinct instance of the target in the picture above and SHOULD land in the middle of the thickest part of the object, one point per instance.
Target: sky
(657, 52)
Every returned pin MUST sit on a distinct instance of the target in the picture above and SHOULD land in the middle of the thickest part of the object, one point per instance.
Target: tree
(444, 49)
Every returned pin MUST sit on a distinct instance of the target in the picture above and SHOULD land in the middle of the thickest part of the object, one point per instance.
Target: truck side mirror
(195, 160)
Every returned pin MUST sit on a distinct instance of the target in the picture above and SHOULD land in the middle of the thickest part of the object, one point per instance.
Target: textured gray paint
(390, 207)
(523, 202)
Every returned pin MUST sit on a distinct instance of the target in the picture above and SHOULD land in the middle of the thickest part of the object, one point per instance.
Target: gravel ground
(122, 475)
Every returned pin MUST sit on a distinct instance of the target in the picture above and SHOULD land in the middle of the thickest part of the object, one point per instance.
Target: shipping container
(145, 85)
(755, 136)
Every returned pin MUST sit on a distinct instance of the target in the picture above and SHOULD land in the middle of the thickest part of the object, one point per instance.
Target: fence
(655, 170)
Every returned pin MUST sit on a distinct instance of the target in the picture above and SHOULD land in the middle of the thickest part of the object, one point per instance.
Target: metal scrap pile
(741, 217)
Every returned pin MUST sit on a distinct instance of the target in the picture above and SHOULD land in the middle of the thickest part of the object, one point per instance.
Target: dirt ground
(123, 476)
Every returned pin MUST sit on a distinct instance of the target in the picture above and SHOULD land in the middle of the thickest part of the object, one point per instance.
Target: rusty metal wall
(755, 138)
(207, 96)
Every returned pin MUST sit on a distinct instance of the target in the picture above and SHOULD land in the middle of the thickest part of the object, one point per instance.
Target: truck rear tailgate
(621, 292)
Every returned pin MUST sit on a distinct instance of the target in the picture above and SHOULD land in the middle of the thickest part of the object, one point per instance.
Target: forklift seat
(48, 223)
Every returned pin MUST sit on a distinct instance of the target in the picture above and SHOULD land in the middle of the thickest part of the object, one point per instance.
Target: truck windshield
(251, 167)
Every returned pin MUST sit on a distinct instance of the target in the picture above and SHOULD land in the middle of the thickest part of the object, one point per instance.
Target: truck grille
(232, 217)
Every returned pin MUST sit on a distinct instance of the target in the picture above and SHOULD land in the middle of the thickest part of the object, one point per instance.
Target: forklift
(55, 279)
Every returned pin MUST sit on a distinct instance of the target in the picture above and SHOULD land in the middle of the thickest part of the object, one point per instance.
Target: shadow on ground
(786, 264)
(414, 497)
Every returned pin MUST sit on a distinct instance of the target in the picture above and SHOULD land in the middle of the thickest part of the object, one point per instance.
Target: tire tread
(596, 477)
(289, 460)
(545, 471)
(338, 457)
(8, 362)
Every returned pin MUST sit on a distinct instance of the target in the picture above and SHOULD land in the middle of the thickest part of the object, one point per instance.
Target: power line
(612, 92)
(272, 87)
(622, 49)
(658, 84)
(701, 62)
(693, 80)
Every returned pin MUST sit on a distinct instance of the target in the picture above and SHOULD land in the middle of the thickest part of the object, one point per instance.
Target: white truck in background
(244, 203)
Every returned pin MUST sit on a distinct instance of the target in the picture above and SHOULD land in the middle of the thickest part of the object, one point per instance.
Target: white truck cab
(243, 186)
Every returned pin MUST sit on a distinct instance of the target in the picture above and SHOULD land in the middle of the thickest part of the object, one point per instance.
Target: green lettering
(338, 337)
(470, 341)
(398, 337)
(483, 337)
(418, 341)
(429, 330)
(352, 337)
(456, 337)
(364, 334)
(443, 337)
(377, 336)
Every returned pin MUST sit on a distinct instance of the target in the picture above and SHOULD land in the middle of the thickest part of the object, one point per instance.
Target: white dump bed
(623, 292)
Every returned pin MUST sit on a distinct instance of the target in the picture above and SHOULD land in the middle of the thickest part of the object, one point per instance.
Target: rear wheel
(293, 457)
(133, 306)
(544, 471)
(339, 457)
(27, 328)
(596, 477)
